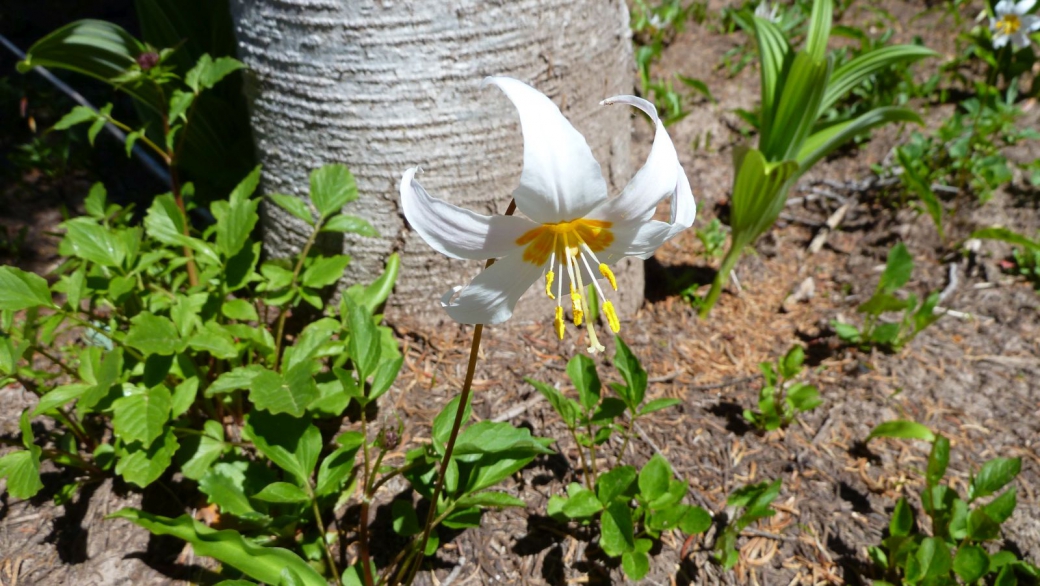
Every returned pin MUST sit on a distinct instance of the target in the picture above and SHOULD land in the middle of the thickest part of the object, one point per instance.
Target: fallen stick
(830, 225)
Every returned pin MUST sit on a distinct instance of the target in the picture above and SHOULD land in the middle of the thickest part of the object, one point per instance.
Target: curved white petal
(1000, 40)
(1004, 7)
(492, 295)
(651, 184)
(561, 180)
(1030, 23)
(456, 232)
(1020, 40)
(641, 238)
(1024, 6)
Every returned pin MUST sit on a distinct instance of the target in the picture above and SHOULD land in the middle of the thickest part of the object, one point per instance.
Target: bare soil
(974, 378)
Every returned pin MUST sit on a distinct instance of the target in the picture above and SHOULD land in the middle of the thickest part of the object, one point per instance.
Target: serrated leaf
(77, 115)
(21, 290)
(153, 334)
(21, 468)
(325, 271)
(289, 394)
(208, 71)
(199, 452)
(142, 416)
(332, 187)
(352, 224)
(294, 205)
(142, 465)
(993, 476)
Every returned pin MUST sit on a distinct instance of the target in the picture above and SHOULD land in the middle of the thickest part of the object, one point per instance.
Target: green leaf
(827, 140)
(902, 429)
(654, 477)
(405, 521)
(582, 505)
(214, 339)
(239, 310)
(198, 452)
(281, 492)
(614, 484)
(180, 101)
(791, 364)
(696, 520)
(859, 69)
(352, 224)
(364, 343)
(292, 443)
(1001, 508)
(635, 564)
(99, 124)
(289, 394)
(797, 107)
(96, 48)
(444, 421)
(490, 498)
(153, 334)
(208, 71)
(902, 521)
(22, 470)
(773, 50)
(489, 437)
(898, 268)
(264, 564)
(336, 467)
(819, 30)
(993, 476)
(616, 530)
(566, 408)
(142, 415)
(377, 292)
(971, 563)
(384, 377)
(59, 397)
(294, 205)
(142, 465)
(1005, 235)
(235, 379)
(880, 303)
(77, 115)
(938, 459)
(332, 187)
(658, 404)
(21, 290)
(933, 557)
(93, 242)
(582, 371)
(236, 219)
(325, 271)
(759, 193)
(224, 485)
(632, 372)
(804, 397)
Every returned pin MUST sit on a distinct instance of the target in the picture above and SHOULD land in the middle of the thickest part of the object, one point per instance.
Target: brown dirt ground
(973, 379)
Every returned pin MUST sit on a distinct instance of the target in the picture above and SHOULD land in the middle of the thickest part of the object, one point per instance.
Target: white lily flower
(1013, 23)
(573, 232)
(770, 12)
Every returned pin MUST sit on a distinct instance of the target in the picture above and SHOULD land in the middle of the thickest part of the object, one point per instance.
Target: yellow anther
(576, 306)
(609, 274)
(608, 310)
(558, 322)
(549, 276)
(1009, 24)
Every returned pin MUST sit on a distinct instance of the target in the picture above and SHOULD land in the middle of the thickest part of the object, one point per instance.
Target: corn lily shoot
(572, 233)
(1013, 23)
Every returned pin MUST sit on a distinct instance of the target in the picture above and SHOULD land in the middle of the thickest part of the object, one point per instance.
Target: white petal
(1004, 7)
(641, 238)
(1000, 40)
(654, 182)
(1024, 6)
(492, 295)
(457, 232)
(561, 180)
(1030, 23)
(1020, 40)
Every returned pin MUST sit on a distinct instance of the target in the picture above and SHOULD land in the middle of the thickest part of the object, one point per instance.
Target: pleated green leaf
(798, 107)
(819, 29)
(823, 142)
(774, 52)
(853, 73)
(759, 193)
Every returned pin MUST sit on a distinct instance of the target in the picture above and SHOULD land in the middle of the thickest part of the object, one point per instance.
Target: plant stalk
(366, 567)
(296, 275)
(721, 278)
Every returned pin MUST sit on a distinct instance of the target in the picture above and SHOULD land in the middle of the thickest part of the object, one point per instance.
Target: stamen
(594, 345)
(549, 276)
(558, 322)
(576, 306)
(609, 274)
(608, 310)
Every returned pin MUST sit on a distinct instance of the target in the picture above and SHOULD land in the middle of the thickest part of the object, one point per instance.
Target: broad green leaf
(180, 101)
(264, 564)
(281, 492)
(199, 452)
(208, 71)
(142, 465)
(93, 242)
(696, 520)
(21, 290)
(235, 379)
(352, 224)
(336, 467)
(100, 49)
(1006, 235)
(237, 218)
(214, 339)
(489, 437)
(153, 334)
(773, 50)
(325, 271)
(898, 268)
(804, 397)
(566, 408)
(880, 303)
(614, 484)
(825, 141)
(659, 404)
(857, 70)
(993, 476)
(582, 505)
(1001, 508)
(77, 115)
(632, 372)
(59, 397)
(902, 429)
(293, 205)
(239, 310)
(970, 563)
(759, 193)
(819, 30)
(332, 187)
(444, 421)
(490, 498)
(582, 371)
(616, 530)
(373, 295)
(797, 107)
(289, 394)
(635, 564)
(933, 557)
(224, 485)
(384, 377)
(292, 443)
(142, 415)
(165, 223)
(938, 459)
(654, 477)
(791, 364)
(902, 521)
(21, 468)
(364, 343)
(405, 520)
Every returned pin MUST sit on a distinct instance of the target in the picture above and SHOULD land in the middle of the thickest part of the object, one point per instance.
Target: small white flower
(770, 12)
(1013, 23)
(573, 232)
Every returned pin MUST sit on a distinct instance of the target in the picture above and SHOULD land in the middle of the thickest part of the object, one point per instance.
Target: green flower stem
(581, 456)
(366, 498)
(282, 314)
(324, 538)
(721, 278)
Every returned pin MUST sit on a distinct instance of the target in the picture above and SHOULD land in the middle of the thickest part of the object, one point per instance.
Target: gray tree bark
(383, 86)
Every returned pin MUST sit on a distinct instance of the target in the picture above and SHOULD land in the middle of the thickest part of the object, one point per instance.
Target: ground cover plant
(222, 416)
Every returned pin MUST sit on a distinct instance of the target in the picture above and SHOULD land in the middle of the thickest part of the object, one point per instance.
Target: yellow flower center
(1009, 24)
(570, 246)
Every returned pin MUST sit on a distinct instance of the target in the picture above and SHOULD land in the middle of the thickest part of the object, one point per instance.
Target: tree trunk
(384, 86)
